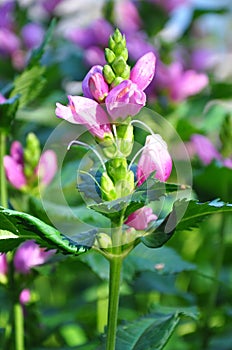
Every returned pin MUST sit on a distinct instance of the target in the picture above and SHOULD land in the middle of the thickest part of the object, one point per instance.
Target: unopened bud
(103, 240)
(119, 47)
(32, 151)
(117, 168)
(125, 186)
(109, 55)
(126, 73)
(119, 65)
(108, 74)
(108, 190)
(124, 54)
(111, 43)
(117, 36)
(125, 139)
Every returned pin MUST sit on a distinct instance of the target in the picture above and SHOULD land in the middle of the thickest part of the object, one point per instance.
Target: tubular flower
(155, 157)
(29, 255)
(128, 97)
(87, 112)
(141, 218)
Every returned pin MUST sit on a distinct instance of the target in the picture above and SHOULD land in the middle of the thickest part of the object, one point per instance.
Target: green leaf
(8, 111)
(151, 190)
(29, 84)
(151, 332)
(26, 227)
(184, 216)
(37, 53)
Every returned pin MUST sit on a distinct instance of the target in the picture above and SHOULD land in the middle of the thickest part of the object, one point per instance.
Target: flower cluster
(23, 167)
(120, 90)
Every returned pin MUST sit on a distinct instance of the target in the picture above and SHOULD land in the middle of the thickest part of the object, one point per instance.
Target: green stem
(3, 184)
(114, 289)
(19, 326)
(215, 287)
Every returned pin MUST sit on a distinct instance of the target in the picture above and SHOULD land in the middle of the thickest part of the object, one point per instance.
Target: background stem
(3, 184)
(18, 326)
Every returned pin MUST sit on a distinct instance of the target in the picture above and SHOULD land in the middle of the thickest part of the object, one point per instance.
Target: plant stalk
(3, 184)
(18, 326)
(114, 290)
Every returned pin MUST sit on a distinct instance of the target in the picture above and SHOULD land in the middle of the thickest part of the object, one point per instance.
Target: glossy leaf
(25, 227)
(184, 216)
(151, 332)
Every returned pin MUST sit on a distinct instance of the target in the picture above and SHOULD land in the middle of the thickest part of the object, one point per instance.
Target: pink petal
(65, 112)
(143, 71)
(47, 167)
(16, 152)
(14, 172)
(85, 84)
(141, 218)
(125, 100)
(204, 149)
(155, 157)
(3, 264)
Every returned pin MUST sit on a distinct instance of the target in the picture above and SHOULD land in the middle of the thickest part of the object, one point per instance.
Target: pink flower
(127, 98)
(127, 16)
(29, 255)
(14, 166)
(25, 296)
(47, 167)
(94, 85)
(204, 149)
(228, 163)
(3, 265)
(141, 218)
(9, 42)
(87, 112)
(2, 99)
(180, 84)
(155, 157)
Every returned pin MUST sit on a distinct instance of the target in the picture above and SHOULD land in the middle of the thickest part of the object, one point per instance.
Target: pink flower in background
(141, 218)
(25, 296)
(6, 14)
(178, 83)
(32, 34)
(127, 98)
(29, 255)
(2, 99)
(127, 16)
(15, 167)
(202, 59)
(155, 157)
(207, 152)
(50, 5)
(3, 265)
(87, 112)
(9, 42)
(170, 5)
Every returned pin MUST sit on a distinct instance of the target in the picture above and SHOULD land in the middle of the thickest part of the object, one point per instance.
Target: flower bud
(118, 49)
(117, 36)
(124, 54)
(226, 136)
(109, 55)
(111, 43)
(125, 186)
(108, 190)
(32, 150)
(108, 74)
(119, 65)
(117, 168)
(116, 81)
(103, 240)
(98, 87)
(125, 139)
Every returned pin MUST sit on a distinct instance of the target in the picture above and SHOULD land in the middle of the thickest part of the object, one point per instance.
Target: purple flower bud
(29, 255)
(204, 149)
(25, 296)
(98, 87)
(141, 218)
(32, 34)
(143, 71)
(87, 112)
(94, 85)
(124, 100)
(155, 157)
(3, 265)
(47, 167)
(6, 14)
